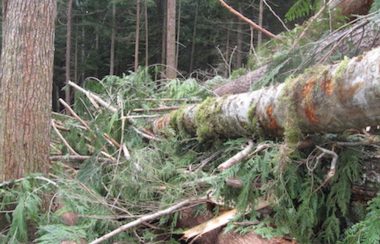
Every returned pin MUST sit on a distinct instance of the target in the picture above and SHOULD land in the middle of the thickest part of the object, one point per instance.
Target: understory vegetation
(109, 168)
(125, 172)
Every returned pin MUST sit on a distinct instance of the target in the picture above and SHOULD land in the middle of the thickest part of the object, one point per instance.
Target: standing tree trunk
(163, 4)
(76, 56)
(178, 33)
(193, 40)
(113, 35)
(261, 14)
(26, 86)
(239, 41)
(82, 55)
(171, 69)
(146, 34)
(137, 36)
(68, 50)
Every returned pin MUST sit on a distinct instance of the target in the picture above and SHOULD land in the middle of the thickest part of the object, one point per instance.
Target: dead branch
(141, 110)
(75, 157)
(250, 22)
(145, 135)
(149, 217)
(242, 155)
(63, 139)
(92, 96)
(237, 157)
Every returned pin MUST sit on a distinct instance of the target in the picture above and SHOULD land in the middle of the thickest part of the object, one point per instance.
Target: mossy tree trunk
(359, 38)
(26, 86)
(328, 98)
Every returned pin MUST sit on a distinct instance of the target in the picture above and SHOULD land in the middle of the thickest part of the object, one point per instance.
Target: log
(326, 98)
(349, 8)
(359, 38)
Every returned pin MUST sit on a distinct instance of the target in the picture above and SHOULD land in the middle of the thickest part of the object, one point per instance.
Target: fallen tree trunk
(349, 8)
(359, 38)
(328, 98)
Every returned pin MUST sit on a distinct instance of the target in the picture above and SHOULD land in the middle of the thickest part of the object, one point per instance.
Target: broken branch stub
(329, 98)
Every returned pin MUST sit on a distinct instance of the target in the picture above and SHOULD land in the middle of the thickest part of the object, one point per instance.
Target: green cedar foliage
(161, 173)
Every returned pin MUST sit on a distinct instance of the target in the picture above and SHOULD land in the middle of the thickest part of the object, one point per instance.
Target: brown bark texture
(352, 7)
(68, 49)
(361, 37)
(326, 98)
(171, 69)
(26, 86)
(113, 37)
(137, 37)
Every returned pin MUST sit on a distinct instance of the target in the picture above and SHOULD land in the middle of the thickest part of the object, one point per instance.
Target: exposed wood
(219, 221)
(210, 225)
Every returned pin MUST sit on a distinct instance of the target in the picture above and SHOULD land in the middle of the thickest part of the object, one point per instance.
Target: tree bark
(351, 7)
(361, 37)
(163, 5)
(171, 69)
(239, 42)
(26, 87)
(68, 50)
(146, 34)
(113, 36)
(328, 98)
(261, 14)
(137, 36)
(178, 33)
(193, 40)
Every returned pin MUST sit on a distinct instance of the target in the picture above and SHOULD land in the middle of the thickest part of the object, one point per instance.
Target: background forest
(207, 38)
(141, 155)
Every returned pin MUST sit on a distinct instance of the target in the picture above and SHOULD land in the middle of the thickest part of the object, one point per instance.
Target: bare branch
(148, 217)
(250, 22)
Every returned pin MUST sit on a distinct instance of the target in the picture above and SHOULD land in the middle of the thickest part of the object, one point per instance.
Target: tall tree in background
(239, 41)
(261, 15)
(113, 37)
(193, 38)
(146, 33)
(68, 49)
(137, 37)
(171, 69)
(26, 86)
